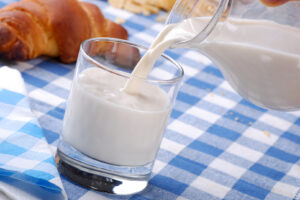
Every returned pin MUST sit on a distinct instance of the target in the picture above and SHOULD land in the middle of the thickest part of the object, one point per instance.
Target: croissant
(56, 28)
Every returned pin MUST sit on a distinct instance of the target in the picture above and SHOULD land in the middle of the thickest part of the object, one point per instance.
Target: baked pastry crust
(56, 28)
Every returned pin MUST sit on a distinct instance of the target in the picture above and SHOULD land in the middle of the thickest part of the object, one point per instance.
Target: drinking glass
(109, 145)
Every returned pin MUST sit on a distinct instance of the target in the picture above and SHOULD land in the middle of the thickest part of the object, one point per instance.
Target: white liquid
(110, 125)
(260, 59)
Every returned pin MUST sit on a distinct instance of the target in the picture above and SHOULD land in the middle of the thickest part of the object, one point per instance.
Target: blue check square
(10, 97)
(39, 174)
(11, 149)
(32, 130)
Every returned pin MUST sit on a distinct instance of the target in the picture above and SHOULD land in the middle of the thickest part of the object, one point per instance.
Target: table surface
(217, 145)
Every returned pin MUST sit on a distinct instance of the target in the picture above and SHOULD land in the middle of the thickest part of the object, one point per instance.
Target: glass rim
(120, 73)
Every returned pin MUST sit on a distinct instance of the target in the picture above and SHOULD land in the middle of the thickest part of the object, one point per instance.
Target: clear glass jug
(256, 47)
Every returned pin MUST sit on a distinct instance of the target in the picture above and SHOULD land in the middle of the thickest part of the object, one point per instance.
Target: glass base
(104, 177)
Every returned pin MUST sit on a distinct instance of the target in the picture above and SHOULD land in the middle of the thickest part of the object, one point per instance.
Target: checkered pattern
(217, 145)
(24, 152)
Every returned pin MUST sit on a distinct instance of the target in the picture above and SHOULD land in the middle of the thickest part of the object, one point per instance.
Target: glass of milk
(110, 138)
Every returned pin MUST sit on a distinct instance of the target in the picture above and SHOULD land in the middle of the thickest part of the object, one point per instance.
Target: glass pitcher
(256, 47)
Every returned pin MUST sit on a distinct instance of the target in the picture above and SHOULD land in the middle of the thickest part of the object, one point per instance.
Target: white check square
(200, 58)
(40, 147)
(284, 189)
(63, 83)
(22, 163)
(144, 36)
(185, 129)
(46, 97)
(294, 171)
(22, 66)
(227, 168)
(189, 71)
(157, 72)
(171, 146)
(225, 85)
(260, 136)
(20, 114)
(220, 101)
(210, 187)
(203, 114)
(244, 152)
(275, 121)
(5, 134)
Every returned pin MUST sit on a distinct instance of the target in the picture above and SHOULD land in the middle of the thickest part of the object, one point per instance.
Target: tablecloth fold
(25, 157)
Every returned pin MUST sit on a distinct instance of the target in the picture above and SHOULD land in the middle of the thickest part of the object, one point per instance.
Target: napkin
(27, 167)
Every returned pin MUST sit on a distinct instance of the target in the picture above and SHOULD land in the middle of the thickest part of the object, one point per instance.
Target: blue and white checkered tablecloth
(217, 145)
(25, 157)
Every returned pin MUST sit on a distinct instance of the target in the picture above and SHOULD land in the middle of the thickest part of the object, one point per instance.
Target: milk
(112, 126)
(259, 58)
